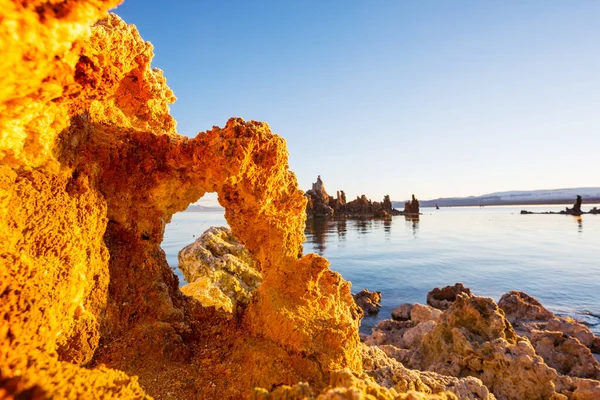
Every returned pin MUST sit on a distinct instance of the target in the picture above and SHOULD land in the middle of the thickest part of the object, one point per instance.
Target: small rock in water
(368, 301)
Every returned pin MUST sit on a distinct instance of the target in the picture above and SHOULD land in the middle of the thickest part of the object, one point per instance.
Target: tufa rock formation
(443, 298)
(575, 210)
(219, 269)
(411, 207)
(321, 205)
(473, 337)
(318, 200)
(91, 171)
(369, 302)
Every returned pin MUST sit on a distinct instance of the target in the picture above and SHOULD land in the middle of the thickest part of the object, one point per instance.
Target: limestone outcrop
(322, 205)
(473, 337)
(219, 269)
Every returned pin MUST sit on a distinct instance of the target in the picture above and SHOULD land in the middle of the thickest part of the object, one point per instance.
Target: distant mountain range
(551, 196)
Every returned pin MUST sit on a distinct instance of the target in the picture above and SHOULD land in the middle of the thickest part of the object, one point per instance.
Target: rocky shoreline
(575, 210)
(517, 348)
(92, 169)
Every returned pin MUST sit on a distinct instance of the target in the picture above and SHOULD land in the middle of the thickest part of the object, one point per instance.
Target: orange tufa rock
(91, 171)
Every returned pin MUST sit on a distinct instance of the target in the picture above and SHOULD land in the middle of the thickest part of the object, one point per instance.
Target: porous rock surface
(219, 269)
(474, 338)
(91, 171)
(444, 297)
(563, 343)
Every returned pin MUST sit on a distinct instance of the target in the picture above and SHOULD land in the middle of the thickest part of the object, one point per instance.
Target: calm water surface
(492, 250)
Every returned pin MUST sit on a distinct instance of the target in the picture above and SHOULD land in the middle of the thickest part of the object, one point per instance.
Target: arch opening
(212, 266)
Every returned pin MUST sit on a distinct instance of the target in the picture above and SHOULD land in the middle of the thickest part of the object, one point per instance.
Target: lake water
(492, 250)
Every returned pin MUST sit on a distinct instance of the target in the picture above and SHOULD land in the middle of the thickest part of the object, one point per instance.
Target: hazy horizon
(439, 99)
(210, 199)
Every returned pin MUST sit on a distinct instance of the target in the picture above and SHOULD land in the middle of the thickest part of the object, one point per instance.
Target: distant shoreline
(204, 209)
(517, 203)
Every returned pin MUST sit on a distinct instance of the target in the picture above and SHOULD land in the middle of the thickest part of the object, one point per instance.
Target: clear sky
(437, 98)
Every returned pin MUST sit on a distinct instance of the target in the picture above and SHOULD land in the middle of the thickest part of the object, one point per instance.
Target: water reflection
(387, 225)
(414, 222)
(320, 230)
(341, 229)
(387, 228)
(579, 223)
(316, 233)
(363, 226)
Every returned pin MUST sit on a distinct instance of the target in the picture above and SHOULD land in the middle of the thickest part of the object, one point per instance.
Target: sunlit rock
(519, 306)
(443, 298)
(91, 171)
(422, 313)
(566, 354)
(220, 270)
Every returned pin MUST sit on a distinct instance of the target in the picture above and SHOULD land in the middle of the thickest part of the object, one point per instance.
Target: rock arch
(92, 170)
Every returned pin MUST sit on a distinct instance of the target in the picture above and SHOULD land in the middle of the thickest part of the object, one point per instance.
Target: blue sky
(437, 98)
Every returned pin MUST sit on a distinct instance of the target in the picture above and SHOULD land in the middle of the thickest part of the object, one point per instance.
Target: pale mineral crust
(219, 269)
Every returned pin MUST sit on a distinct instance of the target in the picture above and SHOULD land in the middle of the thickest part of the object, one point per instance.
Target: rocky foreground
(91, 171)
(516, 349)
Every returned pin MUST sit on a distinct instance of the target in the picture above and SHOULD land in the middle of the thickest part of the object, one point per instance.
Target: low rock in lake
(368, 301)
(575, 210)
